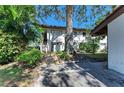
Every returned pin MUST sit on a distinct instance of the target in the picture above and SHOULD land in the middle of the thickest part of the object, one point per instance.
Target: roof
(102, 27)
(62, 28)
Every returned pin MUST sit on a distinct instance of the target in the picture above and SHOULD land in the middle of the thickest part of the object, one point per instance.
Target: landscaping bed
(13, 75)
(23, 74)
(98, 56)
(56, 58)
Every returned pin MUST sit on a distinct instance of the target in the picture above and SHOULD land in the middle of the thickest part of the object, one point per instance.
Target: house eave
(98, 30)
(62, 28)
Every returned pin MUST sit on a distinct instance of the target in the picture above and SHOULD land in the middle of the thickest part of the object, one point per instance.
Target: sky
(52, 21)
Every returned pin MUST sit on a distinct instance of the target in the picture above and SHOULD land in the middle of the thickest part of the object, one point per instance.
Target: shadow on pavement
(80, 74)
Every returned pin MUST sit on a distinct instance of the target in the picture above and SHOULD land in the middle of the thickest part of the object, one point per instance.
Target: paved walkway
(79, 74)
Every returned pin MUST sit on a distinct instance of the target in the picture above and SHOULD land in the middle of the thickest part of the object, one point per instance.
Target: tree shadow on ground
(91, 79)
(77, 73)
(100, 72)
(53, 79)
(63, 78)
(12, 76)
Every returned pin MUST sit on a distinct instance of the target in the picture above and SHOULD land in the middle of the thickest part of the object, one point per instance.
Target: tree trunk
(93, 46)
(69, 25)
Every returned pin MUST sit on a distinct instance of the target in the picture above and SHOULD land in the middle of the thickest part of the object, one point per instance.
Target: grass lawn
(13, 75)
(98, 56)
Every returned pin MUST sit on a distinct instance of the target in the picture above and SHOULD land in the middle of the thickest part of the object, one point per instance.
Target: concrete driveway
(78, 74)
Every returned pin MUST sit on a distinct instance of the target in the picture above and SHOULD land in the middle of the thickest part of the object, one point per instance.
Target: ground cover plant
(64, 55)
(11, 44)
(30, 57)
(13, 75)
(18, 26)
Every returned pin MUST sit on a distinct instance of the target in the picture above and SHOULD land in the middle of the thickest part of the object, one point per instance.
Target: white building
(54, 37)
(102, 44)
(114, 26)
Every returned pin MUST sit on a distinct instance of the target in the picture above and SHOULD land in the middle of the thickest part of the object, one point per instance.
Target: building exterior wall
(54, 35)
(102, 44)
(116, 44)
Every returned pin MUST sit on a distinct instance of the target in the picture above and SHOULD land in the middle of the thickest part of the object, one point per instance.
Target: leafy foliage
(64, 55)
(80, 12)
(9, 74)
(30, 57)
(19, 25)
(21, 19)
(70, 13)
(88, 47)
(91, 46)
(10, 45)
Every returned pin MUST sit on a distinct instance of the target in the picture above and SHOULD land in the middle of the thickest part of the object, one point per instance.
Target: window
(45, 38)
(84, 34)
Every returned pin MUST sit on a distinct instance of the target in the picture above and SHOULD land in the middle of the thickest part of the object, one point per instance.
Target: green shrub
(88, 47)
(63, 55)
(91, 45)
(10, 46)
(30, 57)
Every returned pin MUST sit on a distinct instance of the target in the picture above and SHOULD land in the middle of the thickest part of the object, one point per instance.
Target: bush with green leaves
(21, 19)
(10, 46)
(30, 57)
(88, 47)
(91, 46)
(64, 55)
(19, 24)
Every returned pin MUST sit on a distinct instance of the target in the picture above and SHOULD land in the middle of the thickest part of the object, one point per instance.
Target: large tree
(21, 19)
(69, 36)
(17, 27)
(71, 13)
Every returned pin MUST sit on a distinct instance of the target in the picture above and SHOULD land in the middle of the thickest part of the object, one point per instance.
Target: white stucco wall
(59, 36)
(116, 44)
(102, 44)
